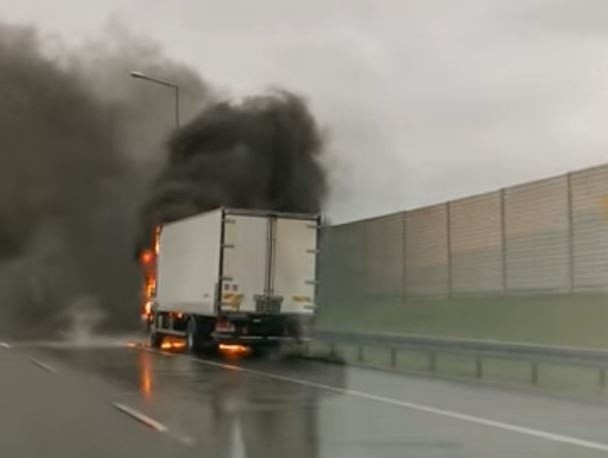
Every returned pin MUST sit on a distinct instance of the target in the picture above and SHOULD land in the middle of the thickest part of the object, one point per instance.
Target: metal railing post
(432, 361)
(478, 367)
(534, 373)
(360, 354)
(393, 357)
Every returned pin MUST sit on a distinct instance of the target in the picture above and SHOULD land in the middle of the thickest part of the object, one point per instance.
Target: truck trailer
(233, 277)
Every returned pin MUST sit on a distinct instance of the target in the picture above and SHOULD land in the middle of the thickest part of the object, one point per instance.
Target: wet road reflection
(274, 407)
(227, 412)
(145, 374)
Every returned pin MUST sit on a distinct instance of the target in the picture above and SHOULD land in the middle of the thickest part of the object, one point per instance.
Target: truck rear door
(244, 270)
(294, 264)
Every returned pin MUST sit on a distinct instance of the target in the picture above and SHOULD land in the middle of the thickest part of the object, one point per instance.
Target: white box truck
(235, 277)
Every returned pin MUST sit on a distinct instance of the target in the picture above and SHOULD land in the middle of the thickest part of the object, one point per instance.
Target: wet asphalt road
(62, 401)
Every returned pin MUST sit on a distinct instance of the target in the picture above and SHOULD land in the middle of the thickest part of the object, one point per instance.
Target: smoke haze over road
(90, 161)
(79, 143)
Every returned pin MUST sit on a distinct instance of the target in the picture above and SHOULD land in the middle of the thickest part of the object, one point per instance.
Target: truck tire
(155, 339)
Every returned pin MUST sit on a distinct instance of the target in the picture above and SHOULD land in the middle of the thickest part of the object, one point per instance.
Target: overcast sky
(424, 100)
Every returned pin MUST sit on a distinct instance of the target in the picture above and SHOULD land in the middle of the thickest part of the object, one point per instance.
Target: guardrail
(479, 350)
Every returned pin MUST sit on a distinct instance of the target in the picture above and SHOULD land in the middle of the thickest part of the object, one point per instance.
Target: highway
(108, 399)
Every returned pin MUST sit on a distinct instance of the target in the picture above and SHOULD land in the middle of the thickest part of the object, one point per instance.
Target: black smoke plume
(80, 143)
(261, 153)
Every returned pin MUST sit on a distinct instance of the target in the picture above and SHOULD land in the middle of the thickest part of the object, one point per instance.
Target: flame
(231, 350)
(151, 286)
(148, 308)
(147, 256)
(148, 294)
(172, 343)
(157, 230)
(146, 314)
(148, 262)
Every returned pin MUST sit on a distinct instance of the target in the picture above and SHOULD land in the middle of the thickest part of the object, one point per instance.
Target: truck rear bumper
(230, 339)
(260, 328)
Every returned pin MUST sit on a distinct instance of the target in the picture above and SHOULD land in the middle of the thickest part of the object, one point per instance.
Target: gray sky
(424, 100)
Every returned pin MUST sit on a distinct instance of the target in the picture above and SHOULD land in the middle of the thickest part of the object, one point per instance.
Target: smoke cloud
(261, 153)
(79, 143)
(90, 163)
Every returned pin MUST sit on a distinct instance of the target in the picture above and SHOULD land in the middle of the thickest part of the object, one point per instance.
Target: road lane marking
(5, 345)
(421, 408)
(42, 365)
(150, 422)
(186, 440)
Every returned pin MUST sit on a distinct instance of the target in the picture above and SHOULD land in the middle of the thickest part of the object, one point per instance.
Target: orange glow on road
(234, 351)
(145, 374)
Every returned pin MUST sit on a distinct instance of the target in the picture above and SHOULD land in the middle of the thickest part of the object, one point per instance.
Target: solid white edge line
(42, 365)
(5, 345)
(422, 408)
(150, 422)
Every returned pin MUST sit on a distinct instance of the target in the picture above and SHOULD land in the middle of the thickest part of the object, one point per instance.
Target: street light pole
(177, 123)
(175, 87)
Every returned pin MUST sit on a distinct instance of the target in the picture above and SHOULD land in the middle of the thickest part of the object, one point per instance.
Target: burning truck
(231, 226)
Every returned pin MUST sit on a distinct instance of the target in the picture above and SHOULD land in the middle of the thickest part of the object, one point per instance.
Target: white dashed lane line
(43, 365)
(151, 423)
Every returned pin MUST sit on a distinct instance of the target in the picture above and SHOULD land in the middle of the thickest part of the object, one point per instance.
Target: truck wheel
(192, 337)
(155, 339)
